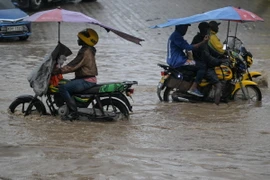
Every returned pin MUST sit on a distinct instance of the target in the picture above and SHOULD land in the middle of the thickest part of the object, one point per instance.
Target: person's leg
(192, 68)
(211, 76)
(199, 68)
(66, 90)
(76, 85)
(218, 91)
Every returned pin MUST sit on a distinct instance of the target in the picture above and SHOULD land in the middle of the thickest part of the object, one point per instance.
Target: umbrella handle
(58, 31)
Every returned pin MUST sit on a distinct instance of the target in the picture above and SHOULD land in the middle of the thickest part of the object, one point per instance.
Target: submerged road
(161, 141)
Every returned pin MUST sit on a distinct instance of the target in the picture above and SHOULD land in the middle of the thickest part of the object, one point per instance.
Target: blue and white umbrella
(229, 13)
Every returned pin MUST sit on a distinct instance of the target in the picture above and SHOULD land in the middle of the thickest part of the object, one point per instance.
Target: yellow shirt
(215, 43)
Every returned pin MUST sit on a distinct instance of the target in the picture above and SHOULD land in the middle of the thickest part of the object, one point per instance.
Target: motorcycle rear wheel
(114, 106)
(19, 106)
(167, 95)
(254, 94)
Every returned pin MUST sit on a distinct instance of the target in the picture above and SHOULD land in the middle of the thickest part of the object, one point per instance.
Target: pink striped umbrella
(61, 15)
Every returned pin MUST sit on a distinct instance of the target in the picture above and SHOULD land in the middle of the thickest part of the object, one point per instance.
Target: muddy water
(160, 141)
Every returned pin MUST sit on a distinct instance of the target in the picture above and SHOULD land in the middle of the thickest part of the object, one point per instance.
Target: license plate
(162, 79)
(14, 28)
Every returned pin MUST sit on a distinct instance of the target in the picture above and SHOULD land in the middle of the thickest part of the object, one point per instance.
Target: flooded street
(161, 141)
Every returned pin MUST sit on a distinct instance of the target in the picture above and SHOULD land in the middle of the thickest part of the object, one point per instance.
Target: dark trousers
(73, 86)
(211, 76)
(199, 68)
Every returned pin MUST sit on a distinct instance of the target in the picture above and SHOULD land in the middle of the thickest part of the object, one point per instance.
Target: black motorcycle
(107, 101)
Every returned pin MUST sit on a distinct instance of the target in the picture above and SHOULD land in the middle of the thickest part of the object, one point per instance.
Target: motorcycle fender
(123, 98)
(159, 92)
(160, 86)
(162, 82)
(252, 74)
(26, 98)
(245, 83)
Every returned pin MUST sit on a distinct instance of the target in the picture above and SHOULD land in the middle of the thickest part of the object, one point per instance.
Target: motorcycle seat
(94, 89)
(105, 88)
(188, 75)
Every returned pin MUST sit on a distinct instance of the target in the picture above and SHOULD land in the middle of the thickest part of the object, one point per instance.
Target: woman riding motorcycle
(84, 66)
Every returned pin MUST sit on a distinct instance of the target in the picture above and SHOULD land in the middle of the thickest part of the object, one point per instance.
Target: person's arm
(75, 64)
(202, 42)
(72, 66)
(180, 42)
(210, 60)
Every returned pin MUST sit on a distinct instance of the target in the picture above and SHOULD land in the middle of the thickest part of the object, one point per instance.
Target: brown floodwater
(160, 140)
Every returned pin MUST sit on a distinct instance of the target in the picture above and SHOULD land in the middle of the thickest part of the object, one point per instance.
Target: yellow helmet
(88, 36)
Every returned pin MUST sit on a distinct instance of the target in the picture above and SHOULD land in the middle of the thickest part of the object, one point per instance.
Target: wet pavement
(161, 140)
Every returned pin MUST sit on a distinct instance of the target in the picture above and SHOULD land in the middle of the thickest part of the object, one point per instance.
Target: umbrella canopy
(229, 13)
(61, 15)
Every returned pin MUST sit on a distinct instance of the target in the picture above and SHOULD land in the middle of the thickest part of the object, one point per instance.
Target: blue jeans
(74, 86)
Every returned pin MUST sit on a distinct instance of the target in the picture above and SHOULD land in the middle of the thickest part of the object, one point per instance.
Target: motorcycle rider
(84, 66)
(203, 55)
(177, 58)
(216, 47)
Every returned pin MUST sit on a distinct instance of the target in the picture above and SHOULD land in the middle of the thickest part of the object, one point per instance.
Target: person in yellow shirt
(214, 43)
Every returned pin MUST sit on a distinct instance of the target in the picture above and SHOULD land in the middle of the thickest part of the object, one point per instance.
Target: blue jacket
(176, 56)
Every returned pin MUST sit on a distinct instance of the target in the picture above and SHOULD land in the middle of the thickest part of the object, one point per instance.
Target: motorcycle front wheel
(253, 94)
(19, 106)
(114, 108)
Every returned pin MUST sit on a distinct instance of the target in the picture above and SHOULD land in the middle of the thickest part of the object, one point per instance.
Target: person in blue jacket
(177, 58)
